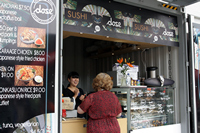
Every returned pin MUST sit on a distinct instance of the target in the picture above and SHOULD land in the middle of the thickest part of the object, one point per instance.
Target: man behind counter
(73, 91)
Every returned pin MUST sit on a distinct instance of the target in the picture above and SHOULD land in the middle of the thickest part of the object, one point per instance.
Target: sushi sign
(120, 21)
(76, 15)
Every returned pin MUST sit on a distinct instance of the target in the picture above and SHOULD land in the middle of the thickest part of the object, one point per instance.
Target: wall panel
(75, 58)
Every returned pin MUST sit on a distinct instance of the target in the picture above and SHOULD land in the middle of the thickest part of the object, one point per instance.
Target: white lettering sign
(167, 33)
(113, 23)
(43, 11)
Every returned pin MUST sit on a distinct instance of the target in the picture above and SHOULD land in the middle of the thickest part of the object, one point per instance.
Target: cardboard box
(71, 113)
(133, 74)
(68, 104)
(117, 75)
(116, 67)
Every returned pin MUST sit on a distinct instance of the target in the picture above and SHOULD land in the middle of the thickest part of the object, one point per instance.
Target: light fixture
(163, 1)
(134, 46)
(107, 36)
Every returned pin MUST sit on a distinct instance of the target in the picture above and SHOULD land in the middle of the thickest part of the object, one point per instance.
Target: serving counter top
(72, 120)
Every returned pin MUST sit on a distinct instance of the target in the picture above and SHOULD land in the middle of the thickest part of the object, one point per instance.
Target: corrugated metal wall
(75, 59)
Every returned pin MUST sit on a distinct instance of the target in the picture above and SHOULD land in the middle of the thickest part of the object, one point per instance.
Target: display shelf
(118, 91)
(149, 118)
(147, 107)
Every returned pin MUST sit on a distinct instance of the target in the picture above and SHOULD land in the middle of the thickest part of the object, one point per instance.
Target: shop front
(40, 44)
(97, 33)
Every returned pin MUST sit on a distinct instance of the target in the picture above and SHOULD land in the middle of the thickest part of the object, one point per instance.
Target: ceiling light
(163, 1)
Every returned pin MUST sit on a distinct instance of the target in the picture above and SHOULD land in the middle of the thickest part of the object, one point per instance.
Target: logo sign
(97, 28)
(167, 33)
(43, 11)
(114, 23)
(155, 39)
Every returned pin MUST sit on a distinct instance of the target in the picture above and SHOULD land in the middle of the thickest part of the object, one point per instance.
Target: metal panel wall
(74, 58)
(154, 57)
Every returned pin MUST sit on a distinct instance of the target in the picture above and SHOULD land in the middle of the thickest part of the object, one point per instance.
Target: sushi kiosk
(27, 66)
(41, 41)
(98, 33)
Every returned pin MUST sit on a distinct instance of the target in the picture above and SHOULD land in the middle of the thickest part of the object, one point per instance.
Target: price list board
(27, 65)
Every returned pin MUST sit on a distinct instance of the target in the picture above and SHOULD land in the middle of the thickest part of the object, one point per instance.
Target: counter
(78, 125)
(74, 125)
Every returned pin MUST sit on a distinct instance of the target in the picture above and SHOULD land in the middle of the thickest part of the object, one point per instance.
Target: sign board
(27, 65)
(117, 20)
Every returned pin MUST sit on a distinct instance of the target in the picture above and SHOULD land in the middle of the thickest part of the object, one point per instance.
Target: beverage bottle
(138, 82)
(128, 80)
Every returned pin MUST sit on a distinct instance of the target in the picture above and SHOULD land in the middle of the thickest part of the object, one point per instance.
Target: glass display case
(146, 107)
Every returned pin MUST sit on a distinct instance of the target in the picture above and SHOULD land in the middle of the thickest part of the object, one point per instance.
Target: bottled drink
(128, 80)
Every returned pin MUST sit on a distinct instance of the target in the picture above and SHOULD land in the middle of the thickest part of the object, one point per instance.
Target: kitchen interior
(92, 54)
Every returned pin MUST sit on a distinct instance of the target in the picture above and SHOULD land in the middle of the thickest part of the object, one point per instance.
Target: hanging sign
(117, 20)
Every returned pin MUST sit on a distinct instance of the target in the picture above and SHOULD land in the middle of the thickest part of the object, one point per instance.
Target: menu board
(27, 65)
